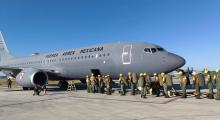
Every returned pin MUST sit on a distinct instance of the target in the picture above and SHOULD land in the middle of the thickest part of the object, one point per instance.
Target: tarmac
(16, 104)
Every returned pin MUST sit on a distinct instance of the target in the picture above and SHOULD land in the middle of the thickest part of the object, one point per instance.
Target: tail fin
(4, 52)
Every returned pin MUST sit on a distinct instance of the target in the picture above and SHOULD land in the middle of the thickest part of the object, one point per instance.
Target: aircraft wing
(14, 71)
(10, 70)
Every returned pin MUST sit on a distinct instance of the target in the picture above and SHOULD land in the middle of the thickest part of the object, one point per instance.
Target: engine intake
(32, 77)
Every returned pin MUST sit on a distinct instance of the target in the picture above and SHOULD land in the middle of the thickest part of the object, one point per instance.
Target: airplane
(112, 59)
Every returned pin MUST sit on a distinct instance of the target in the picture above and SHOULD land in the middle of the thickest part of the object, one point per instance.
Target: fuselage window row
(62, 59)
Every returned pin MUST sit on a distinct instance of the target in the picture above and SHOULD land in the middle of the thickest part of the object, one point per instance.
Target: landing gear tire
(63, 85)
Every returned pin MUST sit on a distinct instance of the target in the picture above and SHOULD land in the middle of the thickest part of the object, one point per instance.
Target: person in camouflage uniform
(148, 83)
(93, 83)
(195, 78)
(131, 83)
(209, 82)
(156, 88)
(183, 83)
(142, 84)
(217, 78)
(9, 82)
(88, 83)
(169, 83)
(135, 81)
(123, 83)
(165, 86)
(101, 84)
(108, 84)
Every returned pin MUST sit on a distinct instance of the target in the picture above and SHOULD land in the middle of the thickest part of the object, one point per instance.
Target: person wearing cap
(156, 87)
(108, 84)
(169, 82)
(131, 82)
(217, 82)
(88, 84)
(196, 81)
(209, 82)
(93, 83)
(142, 84)
(9, 81)
(183, 83)
(123, 84)
(148, 83)
(101, 84)
(135, 81)
(165, 86)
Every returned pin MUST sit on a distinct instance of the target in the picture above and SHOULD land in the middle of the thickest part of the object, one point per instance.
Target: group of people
(99, 85)
(211, 79)
(145, 84)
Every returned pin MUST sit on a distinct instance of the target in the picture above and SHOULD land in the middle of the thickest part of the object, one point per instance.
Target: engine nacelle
(31, 77)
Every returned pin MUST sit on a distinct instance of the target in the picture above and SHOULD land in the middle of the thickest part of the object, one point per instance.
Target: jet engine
(30, 77)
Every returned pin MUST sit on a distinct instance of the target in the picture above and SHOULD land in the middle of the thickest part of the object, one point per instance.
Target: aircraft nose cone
(180, 61)
(177, 61)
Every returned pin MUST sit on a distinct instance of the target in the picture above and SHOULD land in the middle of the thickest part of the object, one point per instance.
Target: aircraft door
(126, 54)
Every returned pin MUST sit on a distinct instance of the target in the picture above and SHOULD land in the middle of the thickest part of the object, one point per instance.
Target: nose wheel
(63, 84)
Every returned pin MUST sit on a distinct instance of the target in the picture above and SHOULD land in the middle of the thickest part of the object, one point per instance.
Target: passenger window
(153, 50)
(147, 50)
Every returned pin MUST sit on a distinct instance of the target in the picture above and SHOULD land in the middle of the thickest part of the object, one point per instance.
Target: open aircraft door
(126, 54)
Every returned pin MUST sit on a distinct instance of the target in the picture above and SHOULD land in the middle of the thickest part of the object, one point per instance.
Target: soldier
(142, 84)
(36, 90)
(9, 81)
(165, 86)
(93, 83)
(195, 78)
(135, 81)
(148, 83)
(131, 83)
(44, 88)
(123, 84)
(183, 83)
(101, 84)
(169, 82)
(108, 84)
(217, 78)
(88, 83)
(156, 87)
(208, 79)
(160, 80)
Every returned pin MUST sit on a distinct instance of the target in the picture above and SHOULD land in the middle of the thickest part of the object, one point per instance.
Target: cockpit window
(153, 50)
(147, 50)
(150, 50)
(160, 49)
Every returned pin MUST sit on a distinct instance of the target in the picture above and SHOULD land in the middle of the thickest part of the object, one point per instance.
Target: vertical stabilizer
(4, 53)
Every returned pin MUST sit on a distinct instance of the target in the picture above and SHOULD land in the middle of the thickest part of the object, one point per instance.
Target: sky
(189, 28)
